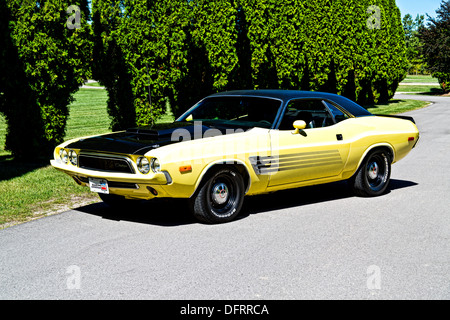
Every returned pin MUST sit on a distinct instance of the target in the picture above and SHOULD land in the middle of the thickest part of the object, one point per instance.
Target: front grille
(122, 185)
(107, 163)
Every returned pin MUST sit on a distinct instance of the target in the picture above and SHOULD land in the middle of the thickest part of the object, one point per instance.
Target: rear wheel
(219, 199)
(372, 177)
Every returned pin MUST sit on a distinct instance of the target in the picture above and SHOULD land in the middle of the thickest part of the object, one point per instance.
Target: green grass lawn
(420, 84)
(421, 89)
(29, 191)
(3, 153)
(88, 115)
(420, 78)
(37, 192)
(397, 106)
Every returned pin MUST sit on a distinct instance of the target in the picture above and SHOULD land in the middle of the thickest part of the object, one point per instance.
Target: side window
(313, 112)
(338, 115)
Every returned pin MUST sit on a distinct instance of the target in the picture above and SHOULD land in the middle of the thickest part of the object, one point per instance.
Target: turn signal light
(185, 169)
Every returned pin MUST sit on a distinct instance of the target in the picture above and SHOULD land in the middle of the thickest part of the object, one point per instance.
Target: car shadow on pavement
(308, 195)
(163, 212)
(175, 212)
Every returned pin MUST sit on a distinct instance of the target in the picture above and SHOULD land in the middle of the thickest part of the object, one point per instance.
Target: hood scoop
(160, 129)
(166, 130)
(144, 131)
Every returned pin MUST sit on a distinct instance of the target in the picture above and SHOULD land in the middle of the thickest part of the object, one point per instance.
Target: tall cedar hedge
(150, 54)
(42, 63)
(154, 54)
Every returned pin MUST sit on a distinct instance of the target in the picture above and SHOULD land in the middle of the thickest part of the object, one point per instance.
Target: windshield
(235, 111)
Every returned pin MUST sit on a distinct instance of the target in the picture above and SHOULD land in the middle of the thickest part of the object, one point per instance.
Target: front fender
(239, 164)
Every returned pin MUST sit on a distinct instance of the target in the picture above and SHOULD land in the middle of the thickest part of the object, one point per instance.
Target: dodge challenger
(241, 143)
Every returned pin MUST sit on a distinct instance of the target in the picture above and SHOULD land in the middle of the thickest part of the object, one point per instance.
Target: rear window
(352, 107)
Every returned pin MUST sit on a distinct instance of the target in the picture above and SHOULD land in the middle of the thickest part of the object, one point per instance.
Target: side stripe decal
(267, 165)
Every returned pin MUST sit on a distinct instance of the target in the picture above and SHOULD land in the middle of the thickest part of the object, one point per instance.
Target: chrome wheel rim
(372, 170)
(377, 171)
(223, 195)
(220, 193)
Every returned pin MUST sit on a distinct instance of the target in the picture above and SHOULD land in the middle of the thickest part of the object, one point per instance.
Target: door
(318, 151)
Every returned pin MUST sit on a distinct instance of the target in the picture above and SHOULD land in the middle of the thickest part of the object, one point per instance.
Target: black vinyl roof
(286, 95)
(275, 93)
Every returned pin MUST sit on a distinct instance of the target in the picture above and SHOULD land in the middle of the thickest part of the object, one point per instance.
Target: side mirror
(299, 125)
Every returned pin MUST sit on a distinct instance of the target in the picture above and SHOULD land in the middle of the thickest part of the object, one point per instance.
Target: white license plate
(98, 185)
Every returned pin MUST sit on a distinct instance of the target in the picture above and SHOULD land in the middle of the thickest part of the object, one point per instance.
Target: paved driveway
(311, 243)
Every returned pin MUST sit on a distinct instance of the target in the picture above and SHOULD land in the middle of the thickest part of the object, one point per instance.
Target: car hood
(143, 139)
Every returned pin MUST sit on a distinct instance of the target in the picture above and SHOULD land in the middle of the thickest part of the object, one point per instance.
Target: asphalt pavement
(308, 243)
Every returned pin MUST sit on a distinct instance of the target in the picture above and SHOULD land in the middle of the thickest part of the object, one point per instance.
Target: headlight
(156, 167)
(73, 157)
(143, 165)
(63, 155)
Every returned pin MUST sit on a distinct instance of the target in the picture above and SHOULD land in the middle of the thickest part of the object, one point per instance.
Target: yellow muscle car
(239, 143)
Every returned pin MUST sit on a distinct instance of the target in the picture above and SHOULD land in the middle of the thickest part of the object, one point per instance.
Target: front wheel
(219, 198)
(372, 177)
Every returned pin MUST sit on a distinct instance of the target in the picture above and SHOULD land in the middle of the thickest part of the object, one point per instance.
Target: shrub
(158, 53)
(43, 63)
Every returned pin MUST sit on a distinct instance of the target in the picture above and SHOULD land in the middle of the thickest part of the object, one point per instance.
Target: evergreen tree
(411, 27)
(435, 45)
(152, 53)
(109, 64)
(44, 59)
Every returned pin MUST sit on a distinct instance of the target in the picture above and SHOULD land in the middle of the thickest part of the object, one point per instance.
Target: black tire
(113, 200)
(219, 198)
(372, 177)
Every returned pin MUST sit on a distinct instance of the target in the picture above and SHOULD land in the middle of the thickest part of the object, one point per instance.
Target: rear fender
(385, 145)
